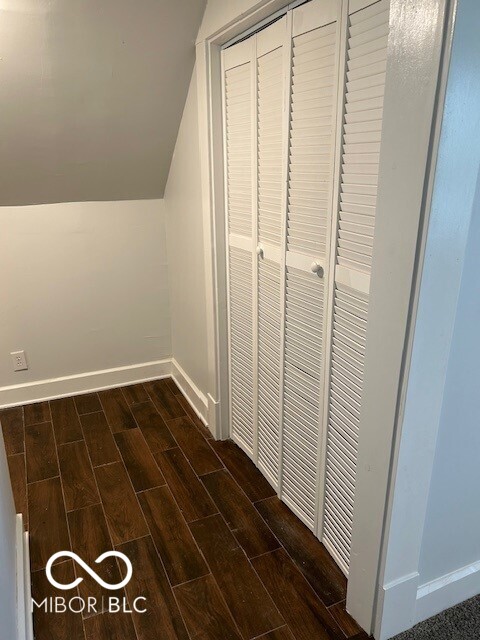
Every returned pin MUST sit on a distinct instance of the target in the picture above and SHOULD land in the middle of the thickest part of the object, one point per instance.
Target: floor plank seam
(149, 535)
(103, 511)
(43, 479)
(94, 504)
(75, 570)
(295, 563)
(198, 548)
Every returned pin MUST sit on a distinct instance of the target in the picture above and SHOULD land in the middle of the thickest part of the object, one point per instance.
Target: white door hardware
(317, 268)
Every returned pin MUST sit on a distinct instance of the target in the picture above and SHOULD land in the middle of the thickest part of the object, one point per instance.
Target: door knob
(259, 251)
(317, 268)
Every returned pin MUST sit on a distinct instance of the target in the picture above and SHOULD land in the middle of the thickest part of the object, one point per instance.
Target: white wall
(8, 577)
(183, 204)
(221, 13)
(85, 288)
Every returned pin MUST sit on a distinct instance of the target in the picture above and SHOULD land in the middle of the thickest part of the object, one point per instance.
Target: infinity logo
(95, 576)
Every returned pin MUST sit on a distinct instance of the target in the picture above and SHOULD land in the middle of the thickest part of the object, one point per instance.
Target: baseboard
(404, 603)
(447, 591)
(83, 383)
(24, 609)
(98, 380)
(197, 400)
(396, 607)
(214, 420)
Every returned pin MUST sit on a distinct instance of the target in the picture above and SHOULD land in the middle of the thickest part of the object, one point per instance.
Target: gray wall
(91, 96)
(451, 538)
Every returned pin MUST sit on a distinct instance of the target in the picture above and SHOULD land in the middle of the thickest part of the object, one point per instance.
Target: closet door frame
(401, 209)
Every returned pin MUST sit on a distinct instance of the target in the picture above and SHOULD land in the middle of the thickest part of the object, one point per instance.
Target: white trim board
(204, 406)
(447, 591)
(24, 610)
(83, 383)
(197, 400)
(396, 606)
(404, 603)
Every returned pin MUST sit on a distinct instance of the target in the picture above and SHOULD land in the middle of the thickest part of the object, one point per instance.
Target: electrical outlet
(19, 361)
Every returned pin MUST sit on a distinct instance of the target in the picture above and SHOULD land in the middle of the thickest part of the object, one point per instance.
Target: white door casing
(409, 112)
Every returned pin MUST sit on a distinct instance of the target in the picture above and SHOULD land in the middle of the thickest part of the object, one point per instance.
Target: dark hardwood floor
(214, 552)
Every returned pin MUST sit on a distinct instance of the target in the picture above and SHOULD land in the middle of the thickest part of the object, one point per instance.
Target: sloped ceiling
(91, 96)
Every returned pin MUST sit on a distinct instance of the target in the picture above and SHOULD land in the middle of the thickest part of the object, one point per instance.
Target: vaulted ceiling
(91, 96)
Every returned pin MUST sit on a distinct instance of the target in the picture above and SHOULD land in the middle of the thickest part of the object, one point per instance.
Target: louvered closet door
(271, 171)
(239, 89)
(313, 107)
(362, 127)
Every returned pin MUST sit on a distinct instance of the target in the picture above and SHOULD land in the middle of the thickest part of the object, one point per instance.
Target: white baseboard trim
(83, 383)
(197, 400)
(447, 591)
(404, 603)
(28, 586)
(66, 386)
(214, 420)
(24, 609)
(396, 607)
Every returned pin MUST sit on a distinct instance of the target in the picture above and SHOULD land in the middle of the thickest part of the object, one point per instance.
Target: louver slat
(241, 346)
(362, 126)
(270, 215)
(313, 102)
(343, 422)
(238, 126)
(366, 64)
(303, 348)
(239, 133)
(270, 143)
(269, 314)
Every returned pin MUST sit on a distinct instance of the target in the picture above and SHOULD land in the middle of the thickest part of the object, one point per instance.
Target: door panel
(366, 54)
(271, 139)
(238, 79)
(313, 106)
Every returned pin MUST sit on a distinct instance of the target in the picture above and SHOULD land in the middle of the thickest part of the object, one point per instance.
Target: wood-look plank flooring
(214, 552)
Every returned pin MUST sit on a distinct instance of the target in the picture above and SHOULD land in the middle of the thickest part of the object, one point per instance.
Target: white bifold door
(303, 103)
